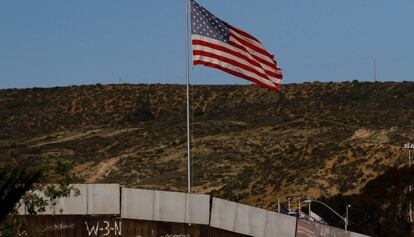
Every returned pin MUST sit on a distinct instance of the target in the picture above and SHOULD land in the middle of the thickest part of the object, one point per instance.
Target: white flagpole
(187, 75)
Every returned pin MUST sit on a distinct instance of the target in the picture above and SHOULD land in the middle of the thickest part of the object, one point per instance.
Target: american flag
(220, 45)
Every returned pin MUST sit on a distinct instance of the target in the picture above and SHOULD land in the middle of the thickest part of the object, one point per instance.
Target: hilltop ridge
(249, 144)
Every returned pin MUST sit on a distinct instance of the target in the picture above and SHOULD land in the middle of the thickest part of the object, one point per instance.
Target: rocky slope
(249, 144)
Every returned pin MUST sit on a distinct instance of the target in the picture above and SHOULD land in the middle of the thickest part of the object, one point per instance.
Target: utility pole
(375, 71)
(347, 217)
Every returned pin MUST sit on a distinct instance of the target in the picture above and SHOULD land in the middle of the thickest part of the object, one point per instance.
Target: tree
(22, 184)
(381, 207)
(14, 183)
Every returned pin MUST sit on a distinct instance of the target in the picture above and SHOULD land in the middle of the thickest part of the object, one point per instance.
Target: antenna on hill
(307, 132)
(375, 70)
(409, 147)
(278, 204)
(289, 205)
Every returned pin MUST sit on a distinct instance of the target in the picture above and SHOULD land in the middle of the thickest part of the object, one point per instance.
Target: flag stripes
(239, 58)
(236, 72)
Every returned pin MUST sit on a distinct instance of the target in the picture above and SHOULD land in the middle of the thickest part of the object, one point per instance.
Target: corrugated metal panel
(72, 225)
(111, 226)
(103, 225)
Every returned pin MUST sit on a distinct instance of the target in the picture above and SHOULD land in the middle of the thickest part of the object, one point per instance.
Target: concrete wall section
(169, 206)
(165, 206)
(22, 209)
(358, 235)
(104, 199)
(74, 205)
(175, 207)
(223, 214)
(280, 225)
(137, 204)
(199, 211)
(251, 221)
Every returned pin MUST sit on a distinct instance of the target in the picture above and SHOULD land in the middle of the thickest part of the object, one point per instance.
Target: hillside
(249, 144)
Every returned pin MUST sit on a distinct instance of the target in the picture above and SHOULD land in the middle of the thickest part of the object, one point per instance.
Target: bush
(142, 114)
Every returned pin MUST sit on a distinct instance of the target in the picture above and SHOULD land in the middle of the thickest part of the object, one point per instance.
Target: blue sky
(72, 42)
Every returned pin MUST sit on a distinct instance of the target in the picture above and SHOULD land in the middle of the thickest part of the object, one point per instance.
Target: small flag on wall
(219, 45)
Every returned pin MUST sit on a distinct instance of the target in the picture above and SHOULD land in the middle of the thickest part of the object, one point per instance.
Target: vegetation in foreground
(22, 183)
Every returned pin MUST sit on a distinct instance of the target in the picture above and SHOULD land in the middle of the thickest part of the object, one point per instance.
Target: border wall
(109, 210)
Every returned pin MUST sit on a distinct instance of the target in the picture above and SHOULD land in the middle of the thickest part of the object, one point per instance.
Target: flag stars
(206, 24)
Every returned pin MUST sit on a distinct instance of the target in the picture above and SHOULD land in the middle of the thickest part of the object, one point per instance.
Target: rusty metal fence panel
(113, 226)
(71, 226)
